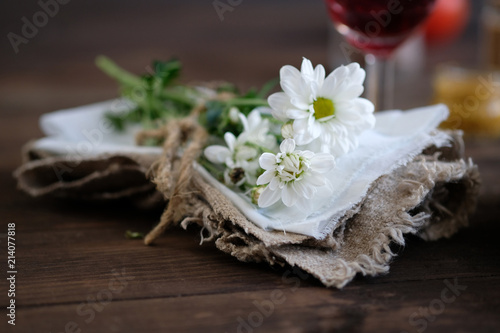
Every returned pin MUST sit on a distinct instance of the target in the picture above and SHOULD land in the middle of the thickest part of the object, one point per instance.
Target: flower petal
(245, 153)
(348, 114)
(254, 119)
(319, 75)
(316, 179)
(363, 105)
(307, 154)
(340, 73)
(244, 121)
(267, 161)
(303, 138)
(357, 74)
(287, 146)
(329, 85)
(358, 114)
(299, 92)
(306, 69)
(290, 73)
(322, 162)
(230, 140)
(297, 114)
(280, 103)
(217, 154)
(301, 125)
(291, 87)
(279, 100)
(304, 189)
(274, 183)
(268, 197)
(314, 76)
(289, 196)
(266, 177)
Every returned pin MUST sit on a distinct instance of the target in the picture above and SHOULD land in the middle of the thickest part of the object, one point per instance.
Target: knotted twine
(181, 136)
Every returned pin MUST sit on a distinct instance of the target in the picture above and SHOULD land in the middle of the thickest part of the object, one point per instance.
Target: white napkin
(84, 131)
(396, 139)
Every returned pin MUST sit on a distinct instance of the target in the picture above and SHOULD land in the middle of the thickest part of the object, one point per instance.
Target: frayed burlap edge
(431, 197)
(397, 204)
(91, 178)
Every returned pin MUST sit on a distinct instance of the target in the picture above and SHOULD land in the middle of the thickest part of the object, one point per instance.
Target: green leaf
(116, 121)
(268, 87)
(134, 235)
(167, 71)
(157, 98)
(227, 87)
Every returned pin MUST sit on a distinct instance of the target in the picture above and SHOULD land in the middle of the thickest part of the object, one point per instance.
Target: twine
(181, 136)
(173, 178)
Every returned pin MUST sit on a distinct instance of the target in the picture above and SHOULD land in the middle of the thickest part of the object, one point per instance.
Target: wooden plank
(401, 307)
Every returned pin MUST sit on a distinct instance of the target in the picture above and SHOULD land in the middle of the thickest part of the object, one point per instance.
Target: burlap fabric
(430, 197)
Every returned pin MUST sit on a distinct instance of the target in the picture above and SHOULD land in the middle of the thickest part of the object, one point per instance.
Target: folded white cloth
(396, 139)
(84, 131)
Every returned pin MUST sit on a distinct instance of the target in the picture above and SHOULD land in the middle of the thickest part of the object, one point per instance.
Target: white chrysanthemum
(256, 130)
(292, 175)
(240, 155)
(235, 156)
(326, 112)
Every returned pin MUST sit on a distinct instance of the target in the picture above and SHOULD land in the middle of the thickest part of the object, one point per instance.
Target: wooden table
(70, 254)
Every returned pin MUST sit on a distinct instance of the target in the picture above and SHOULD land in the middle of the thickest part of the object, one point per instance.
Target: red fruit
(447, 20)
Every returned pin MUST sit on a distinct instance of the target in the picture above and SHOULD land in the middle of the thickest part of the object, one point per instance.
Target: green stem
(210, 168)
(177, 97)
(148, 115)
(116, 72)
(247, 101)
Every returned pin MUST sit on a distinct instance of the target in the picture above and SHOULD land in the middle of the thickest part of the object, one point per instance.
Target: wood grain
(70, 253)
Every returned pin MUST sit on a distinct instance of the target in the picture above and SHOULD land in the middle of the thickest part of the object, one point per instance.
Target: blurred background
(245, 42)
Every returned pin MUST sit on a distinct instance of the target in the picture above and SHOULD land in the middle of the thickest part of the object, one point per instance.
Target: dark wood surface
(69, 253)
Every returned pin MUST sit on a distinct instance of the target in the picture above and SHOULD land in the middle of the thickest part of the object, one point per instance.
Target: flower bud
(234, 117)
(256, 192)
(287, 131)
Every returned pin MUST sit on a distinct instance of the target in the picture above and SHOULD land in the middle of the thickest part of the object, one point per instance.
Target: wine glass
(377, 28)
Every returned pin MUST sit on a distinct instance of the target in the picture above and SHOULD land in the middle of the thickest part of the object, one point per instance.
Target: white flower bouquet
(309, 176)
(322, 116)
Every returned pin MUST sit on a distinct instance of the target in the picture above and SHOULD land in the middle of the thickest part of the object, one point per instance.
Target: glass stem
(380, 82)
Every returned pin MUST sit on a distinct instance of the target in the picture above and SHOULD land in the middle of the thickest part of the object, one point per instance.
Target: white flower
(235, 155)
(256, 130)
(240, 155)
(326, 112)
(292, 175)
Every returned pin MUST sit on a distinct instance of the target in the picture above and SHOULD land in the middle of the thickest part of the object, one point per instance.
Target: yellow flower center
(323, 107)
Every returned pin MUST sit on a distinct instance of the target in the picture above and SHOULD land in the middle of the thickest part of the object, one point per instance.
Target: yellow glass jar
(473, 98)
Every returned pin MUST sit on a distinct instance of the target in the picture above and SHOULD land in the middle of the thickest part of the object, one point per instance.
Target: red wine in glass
(378, 26)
